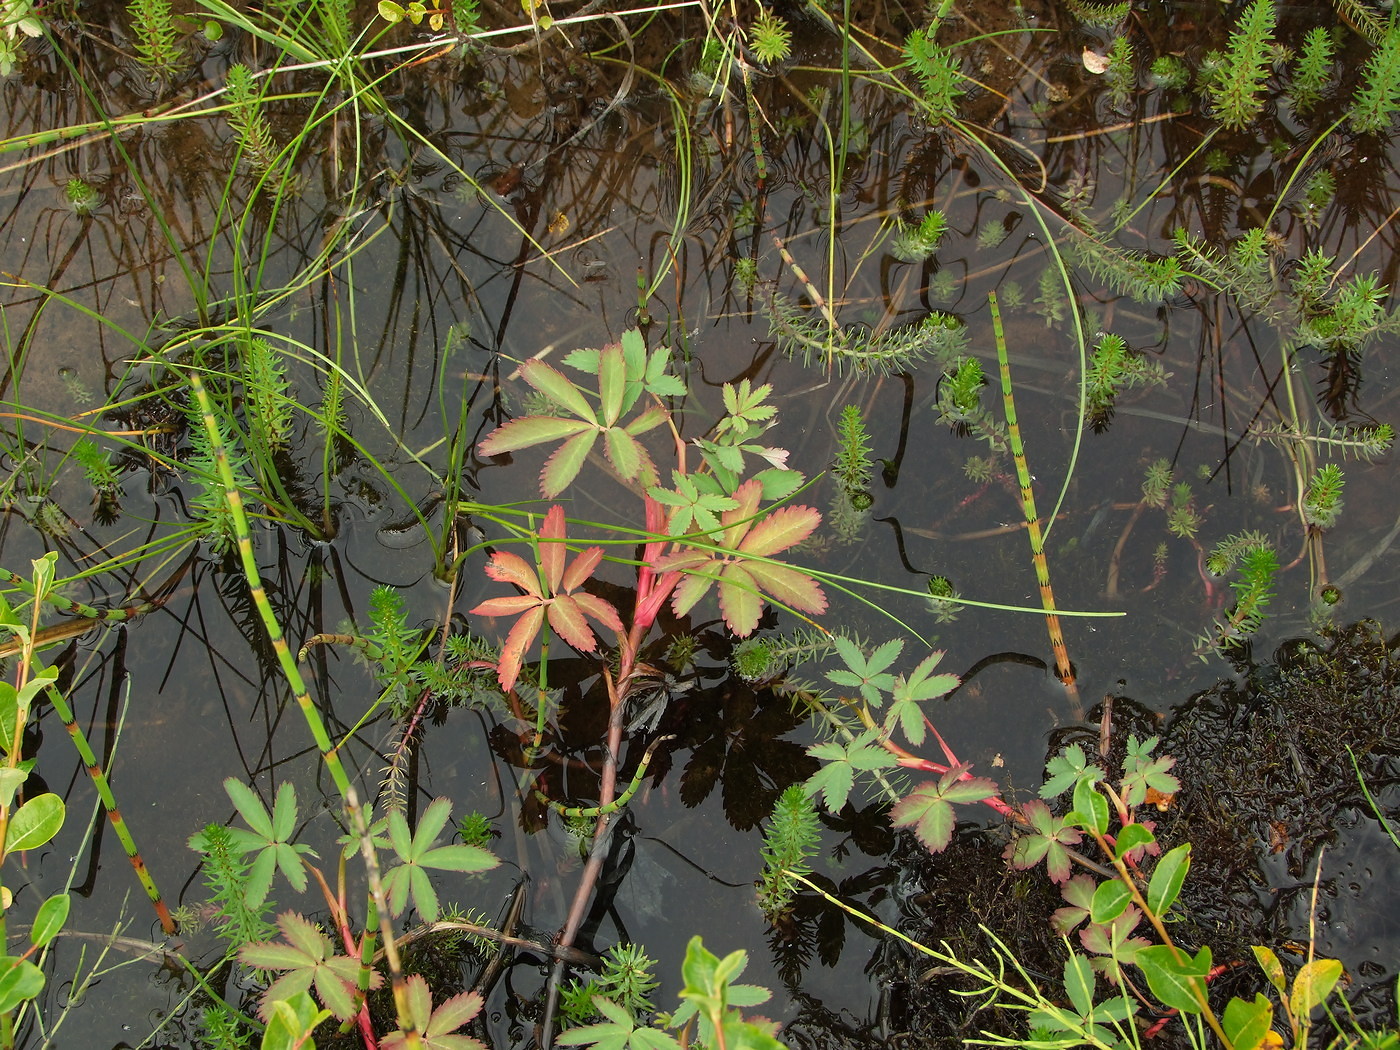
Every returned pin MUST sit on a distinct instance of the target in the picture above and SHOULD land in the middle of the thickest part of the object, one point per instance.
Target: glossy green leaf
(1312, 985)
(11, 780)
(34, 823)
(20, 981)
(391, 13)
(1167, 878)
(1091, 806)
(1273, 969)
(50, 919)
(1181, 984)
(1110, 900)
(1247, 1024)
(291, 1022)
(1132, 837)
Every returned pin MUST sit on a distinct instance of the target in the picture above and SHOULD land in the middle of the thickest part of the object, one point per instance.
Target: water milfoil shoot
(791, 838)
(1235, 82)
(914, 242)
(939, 73)
(852, 470)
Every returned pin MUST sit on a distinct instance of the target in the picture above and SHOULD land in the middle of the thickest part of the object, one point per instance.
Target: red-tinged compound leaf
(738, 521)
(505, 567)
(599, 609)
(552, 549)
(565, 462)
(560, 603)
(529, 431)
(925, 810)
(624, 453)
(1050, 841)
(650, 419)
(789, 586)
(556, 386)
(522, 635)
(691, 588)
(739, 602)
(612, 383)
(780, 530)
(435, 1027)
(566, 619)
(581, 568)
(511, 605)
(309, 958)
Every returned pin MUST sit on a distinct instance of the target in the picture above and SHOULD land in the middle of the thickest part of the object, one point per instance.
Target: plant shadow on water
(345, 346)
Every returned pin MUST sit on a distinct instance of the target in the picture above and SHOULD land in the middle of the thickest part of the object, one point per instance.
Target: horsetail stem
(109, 803)
(1023, 476)
(239, 519)
(612, 807)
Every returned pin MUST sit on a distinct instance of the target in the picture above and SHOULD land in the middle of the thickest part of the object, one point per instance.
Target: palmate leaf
(270, 835)
(1049, 842)
(560, 602)
(621, 380)
(869, 676)
(840, 765)
(309, 959)
(739, 576)
(436, 1027)
(920, 684)
(928, 809)
(409, 880)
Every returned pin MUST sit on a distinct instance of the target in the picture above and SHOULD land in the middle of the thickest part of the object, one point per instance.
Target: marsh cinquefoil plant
(1119, 901)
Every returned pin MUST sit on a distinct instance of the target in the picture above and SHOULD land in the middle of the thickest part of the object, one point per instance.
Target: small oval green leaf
(1313, 984)
(1247, 1024)
(1091, 806)
(37, 821)
(1167, 878)
(1132, 837)
(49, 920)
(1111, 899)
(20, 981)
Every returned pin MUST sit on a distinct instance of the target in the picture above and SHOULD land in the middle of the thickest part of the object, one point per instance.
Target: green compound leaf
(416, 852)
(1065, 770)
(270, 835)
(1050, 841)
(840, 765)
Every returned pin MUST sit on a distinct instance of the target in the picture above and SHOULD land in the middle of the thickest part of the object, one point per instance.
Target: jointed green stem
(1023, 476)
(109, 802)
(244, 540)
(617, 803)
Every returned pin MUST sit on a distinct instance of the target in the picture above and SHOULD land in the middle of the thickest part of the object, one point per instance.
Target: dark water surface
(512, 209)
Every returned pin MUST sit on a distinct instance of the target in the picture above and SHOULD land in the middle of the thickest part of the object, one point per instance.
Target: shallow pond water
(429, 227)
